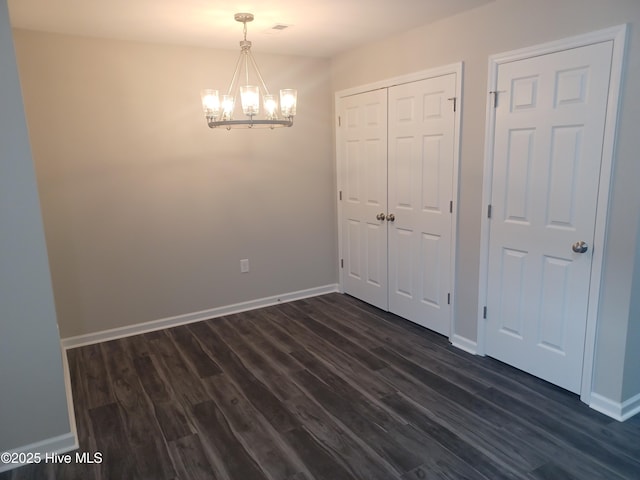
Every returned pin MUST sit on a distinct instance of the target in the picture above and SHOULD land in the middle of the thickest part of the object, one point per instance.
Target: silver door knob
(580, 247)
(380, 216)
(391, 217)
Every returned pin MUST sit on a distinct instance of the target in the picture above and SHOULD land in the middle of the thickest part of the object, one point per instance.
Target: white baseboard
(620, 411)
(55, 445)
(69, 393)
(129, 330)
(465, 344)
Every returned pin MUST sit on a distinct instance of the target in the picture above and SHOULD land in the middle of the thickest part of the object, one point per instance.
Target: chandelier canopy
(219, 109)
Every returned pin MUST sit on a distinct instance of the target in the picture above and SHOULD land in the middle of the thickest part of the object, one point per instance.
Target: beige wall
(30, 357)
(147, 211)
(498, 27)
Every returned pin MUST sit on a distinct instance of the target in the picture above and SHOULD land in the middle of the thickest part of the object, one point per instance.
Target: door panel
(421, 155)
(549, 130)
(363, 147)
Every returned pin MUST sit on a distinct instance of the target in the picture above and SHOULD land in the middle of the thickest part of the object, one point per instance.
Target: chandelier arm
(235, 75)
(255, 66)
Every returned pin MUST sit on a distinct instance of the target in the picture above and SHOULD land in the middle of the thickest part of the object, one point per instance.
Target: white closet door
(420, 164)
(549, 131)
(363, 152)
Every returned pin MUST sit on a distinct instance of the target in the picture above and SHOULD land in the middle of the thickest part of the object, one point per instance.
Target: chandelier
(219, 109)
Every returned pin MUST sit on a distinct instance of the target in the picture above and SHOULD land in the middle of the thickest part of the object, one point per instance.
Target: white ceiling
(317, 27)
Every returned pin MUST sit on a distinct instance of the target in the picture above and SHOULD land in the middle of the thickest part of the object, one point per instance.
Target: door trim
(457, 69)
(616, 34)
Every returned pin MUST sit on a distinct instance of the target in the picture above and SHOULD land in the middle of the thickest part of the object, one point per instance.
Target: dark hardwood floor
(325, 388)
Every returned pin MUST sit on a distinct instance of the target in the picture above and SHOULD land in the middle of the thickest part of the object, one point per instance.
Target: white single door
(421, 158)
(549, 128)
(363, 151)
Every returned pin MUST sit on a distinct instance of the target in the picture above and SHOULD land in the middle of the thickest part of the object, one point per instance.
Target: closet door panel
(362, 144)
(420, 168)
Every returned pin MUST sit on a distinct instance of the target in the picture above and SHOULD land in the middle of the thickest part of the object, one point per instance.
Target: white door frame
(616, 34)
(456, 68)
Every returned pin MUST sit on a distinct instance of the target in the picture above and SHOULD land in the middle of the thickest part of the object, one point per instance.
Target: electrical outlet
(244, 265)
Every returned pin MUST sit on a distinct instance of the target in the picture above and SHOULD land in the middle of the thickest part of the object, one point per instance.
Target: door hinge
(339, 121)
(484, 312)
(342, 263)
(451, 206)
(448, 299)
(489, 211)
(455, 102)
(495, 98)
(340, 194)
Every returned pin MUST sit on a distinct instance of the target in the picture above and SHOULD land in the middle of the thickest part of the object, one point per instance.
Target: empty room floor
(325, 388)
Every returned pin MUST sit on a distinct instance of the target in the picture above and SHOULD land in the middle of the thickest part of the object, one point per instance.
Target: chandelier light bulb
(227, 107)
(288, 100)
(270, 107)
(250, 98)
(210, 103)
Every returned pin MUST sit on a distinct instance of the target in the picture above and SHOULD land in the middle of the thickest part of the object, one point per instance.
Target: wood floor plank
(267, 324)
(153, 384)
(598, 450)
(97, 382)
(551, 471)
(327, 317)
(203, 364)
(258, 394)
(442, 385)
(184, 381)
(112, 443)
(506, 447)
(327, 447)
(325, 388)
(169, 413)
(512, 443)
(191, 460)
(388, 446)
(360, 458)
(276, 343)
(258, 362)
(472, 367)
(333, 337)
(138, 421)
(349, 389)
(276, 458)
(425, 339)
(625, 436)
(153, 460)
(144, 438)
(216, 432)
(173, 420)
(460, 447)
(435, 359)
(298, 338)
(333, 442)
(136, 346)
(321, 464)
